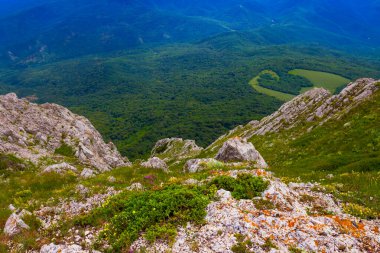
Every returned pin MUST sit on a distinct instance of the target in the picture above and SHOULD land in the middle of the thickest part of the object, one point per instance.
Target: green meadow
(273, 93)
(321, 79)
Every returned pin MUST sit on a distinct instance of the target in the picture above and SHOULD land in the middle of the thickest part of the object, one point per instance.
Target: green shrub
(157, 213)
(245, 186)
(65, 150)
(8, 161)
(242, 245)
(263, 204)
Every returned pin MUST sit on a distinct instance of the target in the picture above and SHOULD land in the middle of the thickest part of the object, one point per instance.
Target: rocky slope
(32, 132)
(285, 217)
(316, 105)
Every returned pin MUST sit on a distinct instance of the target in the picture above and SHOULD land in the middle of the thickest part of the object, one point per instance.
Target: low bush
(156, 213)
(65, 150)
(245, 186)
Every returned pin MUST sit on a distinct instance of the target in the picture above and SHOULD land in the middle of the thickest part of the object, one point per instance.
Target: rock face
(316, 105)
(15, 224)
(155, 163)
(175, 149)
(239, 150)
(32, 131)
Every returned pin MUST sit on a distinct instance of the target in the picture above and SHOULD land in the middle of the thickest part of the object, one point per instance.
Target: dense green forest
(196, 91)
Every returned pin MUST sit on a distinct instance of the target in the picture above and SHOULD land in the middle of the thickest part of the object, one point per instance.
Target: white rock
(87, 173)
(60, 168)
(196, 165)
(238, 150)
(136, 187)
(15, 224)
(155, 163)
(33, 131)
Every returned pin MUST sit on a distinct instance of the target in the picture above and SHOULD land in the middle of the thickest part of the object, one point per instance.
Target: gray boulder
(196, 165)
(239, 150)
(87, 173)
(15, 224)
(53, 248)
(171, 149)
(155, 163)
(60, 168)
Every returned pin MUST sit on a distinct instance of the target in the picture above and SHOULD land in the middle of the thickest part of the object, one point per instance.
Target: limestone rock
(87, 173)
(175, 149)
(15, 224)
(239, 150)
(33, 131)
(53, 248)
(60, 168)
(136, 187)
(196, 165)
(155, 163)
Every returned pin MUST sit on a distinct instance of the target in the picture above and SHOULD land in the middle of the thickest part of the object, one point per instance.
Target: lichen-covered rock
(87, 173)
(239, 150)
(196, 165)
(155, 163)
(316, 105)
(136, 187)
(315, 223)
(33, 131)
(15, 224)
(53, 248)
(170, 149)
(60, 168)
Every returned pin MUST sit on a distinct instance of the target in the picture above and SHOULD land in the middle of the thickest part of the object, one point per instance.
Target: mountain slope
(331, 140)
(230, 206)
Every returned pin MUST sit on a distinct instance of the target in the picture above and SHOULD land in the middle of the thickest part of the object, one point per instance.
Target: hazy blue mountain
(35, 31)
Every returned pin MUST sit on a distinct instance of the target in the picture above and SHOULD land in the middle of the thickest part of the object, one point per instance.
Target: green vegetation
(342, 154)
(242, 245)
(194, 91)
(321, 79)
(243, 187)
(65, 150)
(257, 81)
(157, 213)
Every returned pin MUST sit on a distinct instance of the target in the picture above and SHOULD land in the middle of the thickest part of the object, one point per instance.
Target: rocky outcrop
(60, 168)
(293, 216)
(87, 173)
(155, 163)
(15, 224)
(135, 187)
(239, 150)
(315, 105)
(196, 165)
(32, 131)
(53, 248)
(175, 149)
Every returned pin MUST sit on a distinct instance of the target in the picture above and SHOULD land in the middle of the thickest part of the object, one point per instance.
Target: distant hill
(41, 31)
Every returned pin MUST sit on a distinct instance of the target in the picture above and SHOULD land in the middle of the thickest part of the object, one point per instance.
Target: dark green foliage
(158, 213)
(245, 186)
(65, 150)
(9, 161)
(263, 204)
(193, 91)
(242, 245)
(268, 245)
(287, 83)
